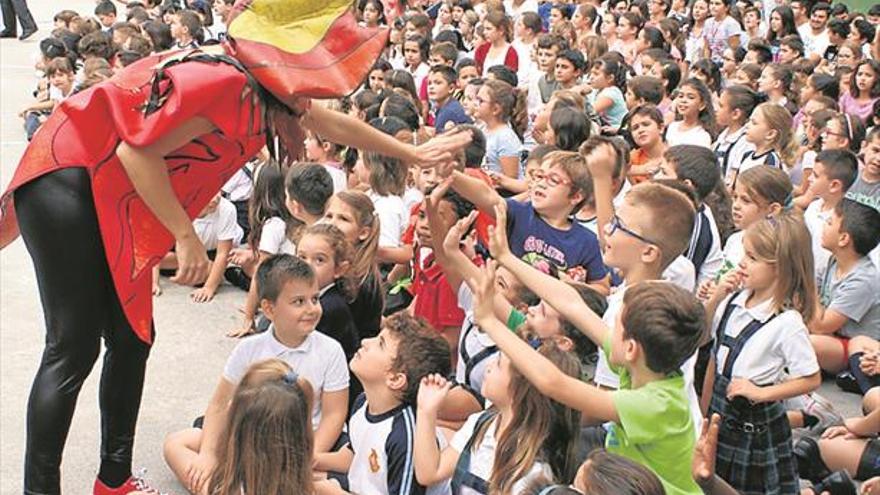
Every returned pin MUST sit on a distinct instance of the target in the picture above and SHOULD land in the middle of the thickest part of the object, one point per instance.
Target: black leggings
(56, 215)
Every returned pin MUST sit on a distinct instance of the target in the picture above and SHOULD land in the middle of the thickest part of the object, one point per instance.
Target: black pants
(56, 215)
(17, 8)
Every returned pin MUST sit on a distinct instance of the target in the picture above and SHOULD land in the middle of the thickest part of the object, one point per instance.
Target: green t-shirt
(655, 429)
(515, 319)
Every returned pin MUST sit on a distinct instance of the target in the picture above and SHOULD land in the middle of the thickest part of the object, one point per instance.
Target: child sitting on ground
(654, 315)
(219, 232)
(847, 324)
(61, 78)
(833, 173)
(288, 292)
(378, 457)
(541, 229)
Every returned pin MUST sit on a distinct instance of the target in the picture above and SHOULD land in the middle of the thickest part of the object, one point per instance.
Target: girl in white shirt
(502, 449)
(762, 355)
(696, 117)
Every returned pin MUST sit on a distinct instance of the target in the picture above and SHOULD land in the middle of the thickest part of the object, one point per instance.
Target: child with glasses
(541, 230)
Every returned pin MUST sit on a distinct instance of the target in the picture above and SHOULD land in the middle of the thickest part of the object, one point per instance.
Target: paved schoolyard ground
(189, 352)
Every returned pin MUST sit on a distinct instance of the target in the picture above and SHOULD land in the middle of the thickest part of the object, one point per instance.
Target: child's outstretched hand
(499, 246)
(432, 392)
(438, 230)
(484, 293)
(703, 465)
(452, 242)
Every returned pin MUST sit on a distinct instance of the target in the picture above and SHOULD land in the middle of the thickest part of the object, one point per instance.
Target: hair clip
(290, 378)
(863, 199)
(772, 220)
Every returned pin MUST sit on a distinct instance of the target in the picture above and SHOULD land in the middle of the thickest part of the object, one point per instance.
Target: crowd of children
(666, 223)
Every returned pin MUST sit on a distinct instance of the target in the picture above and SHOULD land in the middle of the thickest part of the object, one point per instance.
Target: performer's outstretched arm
(148, 172)
(346, 130)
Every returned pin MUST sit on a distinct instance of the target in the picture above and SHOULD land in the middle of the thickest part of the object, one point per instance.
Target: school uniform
(764, 346)
(384, 446)
(730, 148)
(475, 348)
(475, 461)
(752, 158)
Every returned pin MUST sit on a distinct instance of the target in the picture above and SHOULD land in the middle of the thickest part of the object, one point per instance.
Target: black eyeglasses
(617, 224)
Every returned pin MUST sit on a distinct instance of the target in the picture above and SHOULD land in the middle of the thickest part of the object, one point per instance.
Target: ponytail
(363, 261)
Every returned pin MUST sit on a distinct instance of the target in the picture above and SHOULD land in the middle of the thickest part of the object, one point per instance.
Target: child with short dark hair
(379, 455)
(446, 110)
(105, 11)
(697, 167)
(289, 293)
(570, 65)
(847, 324)
(186, 29)
(833, 173)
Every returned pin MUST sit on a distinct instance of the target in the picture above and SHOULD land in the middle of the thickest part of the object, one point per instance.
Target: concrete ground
(189, 352)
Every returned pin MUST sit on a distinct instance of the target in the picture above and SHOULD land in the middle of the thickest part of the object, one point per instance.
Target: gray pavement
(187, 357)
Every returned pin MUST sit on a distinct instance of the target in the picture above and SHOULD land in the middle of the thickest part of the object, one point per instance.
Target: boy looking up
(379, 455)
(289, 298)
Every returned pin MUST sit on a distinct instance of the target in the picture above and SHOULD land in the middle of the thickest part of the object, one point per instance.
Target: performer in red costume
(115, 176)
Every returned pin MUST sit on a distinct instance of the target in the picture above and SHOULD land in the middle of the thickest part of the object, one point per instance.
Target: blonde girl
(353, 214)
(497, 103)
(328, 154)
(522, 436)
(269, 418)
(762, 355)
(770, 131)
(760, 192)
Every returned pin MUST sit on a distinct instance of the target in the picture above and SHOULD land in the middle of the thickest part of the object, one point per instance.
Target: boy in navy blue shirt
(540, 230)
(448, 112)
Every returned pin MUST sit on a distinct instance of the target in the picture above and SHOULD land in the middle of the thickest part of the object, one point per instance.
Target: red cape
(85, 132)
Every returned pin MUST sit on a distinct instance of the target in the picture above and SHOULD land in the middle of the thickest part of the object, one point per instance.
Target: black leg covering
(59, 226)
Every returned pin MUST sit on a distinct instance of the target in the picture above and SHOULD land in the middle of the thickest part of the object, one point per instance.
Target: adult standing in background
(11, 10)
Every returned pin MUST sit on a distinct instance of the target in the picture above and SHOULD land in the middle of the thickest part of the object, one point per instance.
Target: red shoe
(136, 483)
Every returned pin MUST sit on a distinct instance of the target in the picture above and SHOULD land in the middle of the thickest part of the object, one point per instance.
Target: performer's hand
(440, 150)
(199, 472)
(192, 261)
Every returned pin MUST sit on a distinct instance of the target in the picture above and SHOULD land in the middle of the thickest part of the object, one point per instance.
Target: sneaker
(136, 483)
(820, 407)
(837, 483)
(847, 382)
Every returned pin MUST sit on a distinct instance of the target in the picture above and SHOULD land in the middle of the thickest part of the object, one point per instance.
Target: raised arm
(346, 130)
(431, 464)
(540, 371)
(476, 191)
(561, 296)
